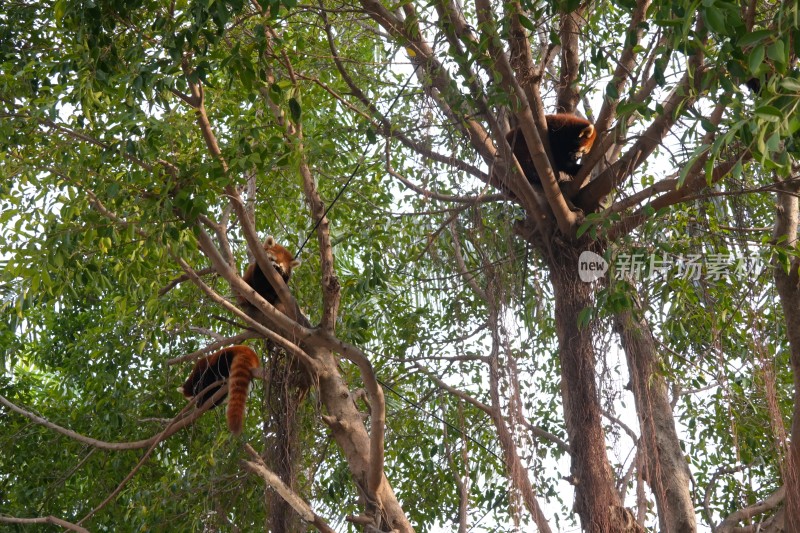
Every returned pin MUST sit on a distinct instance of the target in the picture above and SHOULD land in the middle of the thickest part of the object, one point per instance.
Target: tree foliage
(446, 368)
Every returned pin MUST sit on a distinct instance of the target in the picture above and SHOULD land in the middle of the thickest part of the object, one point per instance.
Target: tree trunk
(596, 499)
(788, 286)
(666, 470)
(347, 424)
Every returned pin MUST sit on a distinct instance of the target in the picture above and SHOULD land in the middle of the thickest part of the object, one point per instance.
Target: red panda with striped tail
(233, 364)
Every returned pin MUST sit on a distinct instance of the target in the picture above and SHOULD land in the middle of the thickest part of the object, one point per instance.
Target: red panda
(283, 262)
(571, 137)
(234, 364)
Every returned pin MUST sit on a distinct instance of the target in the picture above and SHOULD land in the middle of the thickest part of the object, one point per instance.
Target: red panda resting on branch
(234, 364)
(281, 259)
(571, 137)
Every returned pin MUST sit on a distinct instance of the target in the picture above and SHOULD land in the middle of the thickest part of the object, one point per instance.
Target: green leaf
(526, 23)
(716, 20)
(777, 52)
(790, 84)
(770, 113)
(774, 142)
(756, 58)
(582, 228)
(585, 317)
(753, 37)
(59, 9)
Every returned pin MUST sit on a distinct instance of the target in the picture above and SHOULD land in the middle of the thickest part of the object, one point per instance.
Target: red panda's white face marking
(586, 140)
(280, 258)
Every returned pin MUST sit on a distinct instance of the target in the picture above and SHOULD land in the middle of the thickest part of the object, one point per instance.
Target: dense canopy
(609, 348)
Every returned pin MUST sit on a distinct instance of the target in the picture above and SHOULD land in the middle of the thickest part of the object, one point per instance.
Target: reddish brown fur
(234, 364)
(571, 137)
(281, 259)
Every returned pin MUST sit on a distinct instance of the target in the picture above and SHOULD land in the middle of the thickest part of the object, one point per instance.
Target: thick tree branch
(377, 405)
(459, 34)
(331, 293)
(670, 184)
(787, 283)
(283, 322)
(197, 101)
(331, 290)
(570, 34)
(521, 58)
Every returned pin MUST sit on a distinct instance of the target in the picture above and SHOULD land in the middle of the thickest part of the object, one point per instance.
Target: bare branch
(616, 86)
(684, 93)
(222, 236)
(625, 427)
(158, 438)
(462, 484)
(622, 72)
(521, 59)
(214, 346)
(472, 200)
(183, 277)
(177, 424)
(456, 392)
(627, 224)
(331, 294)
(43, 520)
(437, 78)
(460, 34)
(257, 466)
(462, 266)
(768, 504)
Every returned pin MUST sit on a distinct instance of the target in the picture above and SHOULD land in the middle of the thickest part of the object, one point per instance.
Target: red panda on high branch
(571, 137)
(234, 364)
(281, 259)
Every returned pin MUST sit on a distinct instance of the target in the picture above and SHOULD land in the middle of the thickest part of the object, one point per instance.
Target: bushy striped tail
(244, 360)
